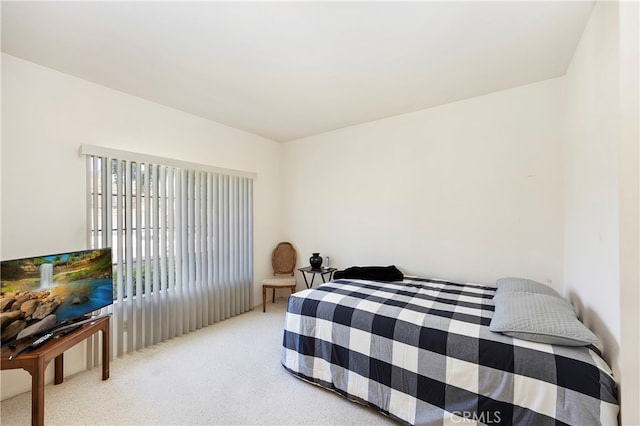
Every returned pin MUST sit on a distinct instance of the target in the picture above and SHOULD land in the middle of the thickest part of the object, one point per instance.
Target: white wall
(629, 51)
(591, 174)
(601, 190)
(47, 115)
(466, 191)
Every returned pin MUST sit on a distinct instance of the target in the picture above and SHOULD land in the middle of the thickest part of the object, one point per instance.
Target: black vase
(315, 261)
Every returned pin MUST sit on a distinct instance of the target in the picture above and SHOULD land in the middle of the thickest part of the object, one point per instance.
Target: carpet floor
(228, 373)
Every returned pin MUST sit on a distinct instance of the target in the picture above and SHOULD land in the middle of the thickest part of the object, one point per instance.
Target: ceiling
(286, 70)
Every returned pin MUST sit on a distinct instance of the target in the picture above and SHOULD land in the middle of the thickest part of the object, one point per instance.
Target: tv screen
(39, 293)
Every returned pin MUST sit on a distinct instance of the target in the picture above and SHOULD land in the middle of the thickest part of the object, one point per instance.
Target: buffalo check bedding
(421, 352)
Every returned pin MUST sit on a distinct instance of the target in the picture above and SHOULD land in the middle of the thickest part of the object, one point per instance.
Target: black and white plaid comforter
(421, 352)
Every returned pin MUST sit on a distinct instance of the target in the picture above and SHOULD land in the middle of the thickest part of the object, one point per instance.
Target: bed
(421, 352)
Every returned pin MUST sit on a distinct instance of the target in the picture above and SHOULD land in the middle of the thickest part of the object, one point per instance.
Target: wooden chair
(283, 261)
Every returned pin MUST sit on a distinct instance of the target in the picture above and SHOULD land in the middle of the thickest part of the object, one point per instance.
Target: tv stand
(36, 360)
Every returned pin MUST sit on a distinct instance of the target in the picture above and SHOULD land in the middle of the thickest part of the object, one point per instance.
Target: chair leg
(264, 298)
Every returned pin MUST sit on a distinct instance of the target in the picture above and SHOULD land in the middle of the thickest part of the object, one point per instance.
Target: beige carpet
(225, 374)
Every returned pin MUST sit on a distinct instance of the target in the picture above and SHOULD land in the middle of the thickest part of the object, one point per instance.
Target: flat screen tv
(42, 292)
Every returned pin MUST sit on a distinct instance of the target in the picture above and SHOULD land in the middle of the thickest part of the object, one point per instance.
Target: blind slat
(139, 239)
(171, 255)
(148, 305)
(128, 243)
(119, 210)
(155, 268)
(162, 253)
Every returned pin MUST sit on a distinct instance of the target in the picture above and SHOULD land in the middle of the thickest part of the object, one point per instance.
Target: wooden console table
(36, 361)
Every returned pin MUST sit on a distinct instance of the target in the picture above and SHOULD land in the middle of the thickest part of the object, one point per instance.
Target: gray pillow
(509, 284)
(539, 318)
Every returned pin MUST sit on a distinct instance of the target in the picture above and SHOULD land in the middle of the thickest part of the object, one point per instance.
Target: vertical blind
(182, 242)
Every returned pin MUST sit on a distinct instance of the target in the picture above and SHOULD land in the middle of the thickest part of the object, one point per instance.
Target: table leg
(330, 275)
(313, 277)
(305, 279)
(59, 369)
(37, 394)
(105, 351)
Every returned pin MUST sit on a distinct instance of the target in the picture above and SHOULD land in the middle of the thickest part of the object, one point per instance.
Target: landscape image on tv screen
(38, 293)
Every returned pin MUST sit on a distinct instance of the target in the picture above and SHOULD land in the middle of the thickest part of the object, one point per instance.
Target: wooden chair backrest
(284, 258)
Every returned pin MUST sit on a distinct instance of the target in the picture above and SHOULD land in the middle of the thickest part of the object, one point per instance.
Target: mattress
(420, 351)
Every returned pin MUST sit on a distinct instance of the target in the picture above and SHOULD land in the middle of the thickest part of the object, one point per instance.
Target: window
(182, 238)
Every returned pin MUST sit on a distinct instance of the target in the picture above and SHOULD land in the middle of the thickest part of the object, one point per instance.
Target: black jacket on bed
(372, 273)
